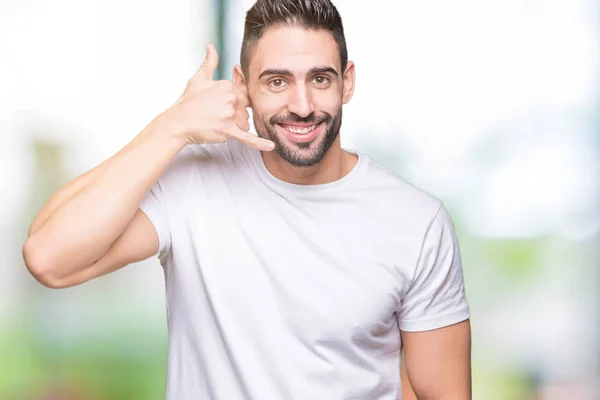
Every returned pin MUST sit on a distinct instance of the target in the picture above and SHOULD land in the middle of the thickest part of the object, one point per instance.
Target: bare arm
(438, 362)
(92, 226)
(82, 221)
(407, 390)
(71, 188)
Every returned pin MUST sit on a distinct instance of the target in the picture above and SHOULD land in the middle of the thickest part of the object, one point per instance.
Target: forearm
(85, 217)
(64, 194)
(71, 188)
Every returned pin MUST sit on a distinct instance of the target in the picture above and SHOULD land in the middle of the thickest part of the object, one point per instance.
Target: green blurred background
(492, 106)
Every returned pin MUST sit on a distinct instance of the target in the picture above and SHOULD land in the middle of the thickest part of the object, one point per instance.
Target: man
(294, 269)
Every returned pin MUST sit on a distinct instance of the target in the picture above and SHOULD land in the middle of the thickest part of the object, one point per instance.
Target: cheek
(268, 104)
(328, 101)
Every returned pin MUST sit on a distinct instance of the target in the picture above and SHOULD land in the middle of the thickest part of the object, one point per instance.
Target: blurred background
(493, 106)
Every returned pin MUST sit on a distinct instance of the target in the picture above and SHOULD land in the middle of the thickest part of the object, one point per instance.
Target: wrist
(167, 126)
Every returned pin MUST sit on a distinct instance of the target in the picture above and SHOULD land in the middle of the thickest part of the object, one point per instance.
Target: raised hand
(211, 111)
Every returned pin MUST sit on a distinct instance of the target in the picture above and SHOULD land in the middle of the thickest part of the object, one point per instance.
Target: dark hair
(309, 14)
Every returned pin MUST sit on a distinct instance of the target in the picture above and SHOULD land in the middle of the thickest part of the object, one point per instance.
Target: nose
(300, 102)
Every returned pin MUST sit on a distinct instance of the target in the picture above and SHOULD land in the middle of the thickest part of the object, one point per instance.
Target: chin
(304, 154)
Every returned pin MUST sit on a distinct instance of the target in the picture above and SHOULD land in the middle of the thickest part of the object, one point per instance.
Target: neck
(336, 164)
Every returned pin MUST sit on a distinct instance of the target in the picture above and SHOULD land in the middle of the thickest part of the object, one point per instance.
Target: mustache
(312, 118)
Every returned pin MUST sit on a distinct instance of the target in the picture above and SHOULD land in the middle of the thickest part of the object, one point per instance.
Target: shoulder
(398, 197)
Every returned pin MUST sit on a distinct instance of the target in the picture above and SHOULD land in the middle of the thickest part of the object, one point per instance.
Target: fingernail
(270, 145)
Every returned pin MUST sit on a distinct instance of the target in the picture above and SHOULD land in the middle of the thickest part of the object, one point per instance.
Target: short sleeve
(153, 205)
(436, 296)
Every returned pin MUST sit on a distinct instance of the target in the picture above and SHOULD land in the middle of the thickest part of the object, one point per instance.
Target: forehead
(294, 48)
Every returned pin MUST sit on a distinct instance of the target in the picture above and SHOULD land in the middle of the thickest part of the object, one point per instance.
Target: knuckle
(229, 112)
(230, 98)
(244, 125)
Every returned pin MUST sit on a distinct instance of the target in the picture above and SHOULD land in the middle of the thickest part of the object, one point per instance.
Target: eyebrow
(323, 70)
(288, 73)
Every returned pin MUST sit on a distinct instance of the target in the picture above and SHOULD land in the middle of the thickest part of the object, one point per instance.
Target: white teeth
(300, 130)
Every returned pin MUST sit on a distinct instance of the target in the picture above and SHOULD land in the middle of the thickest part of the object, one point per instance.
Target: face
(296, 90)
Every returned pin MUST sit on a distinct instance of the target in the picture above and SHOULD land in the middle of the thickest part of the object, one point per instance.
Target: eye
(277, 83)
(321, 80)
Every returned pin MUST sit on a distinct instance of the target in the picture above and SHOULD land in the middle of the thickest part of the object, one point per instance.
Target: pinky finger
(250, 140)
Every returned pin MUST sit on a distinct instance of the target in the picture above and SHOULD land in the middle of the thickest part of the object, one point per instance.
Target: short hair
(308, 14)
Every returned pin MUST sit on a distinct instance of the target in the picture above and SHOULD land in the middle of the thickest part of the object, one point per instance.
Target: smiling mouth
(301, 134)
(300, 131)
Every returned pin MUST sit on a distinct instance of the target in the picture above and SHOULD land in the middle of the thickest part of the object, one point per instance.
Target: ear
(239, 80)
(348, 80)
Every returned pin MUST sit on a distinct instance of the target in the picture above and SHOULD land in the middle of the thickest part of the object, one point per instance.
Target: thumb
(210, 63)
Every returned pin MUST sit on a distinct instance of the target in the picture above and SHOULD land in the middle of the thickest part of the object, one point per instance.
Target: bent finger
(249, 139)
(242, 121)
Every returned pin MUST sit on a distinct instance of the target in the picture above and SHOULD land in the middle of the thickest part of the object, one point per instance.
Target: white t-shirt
(277, 291)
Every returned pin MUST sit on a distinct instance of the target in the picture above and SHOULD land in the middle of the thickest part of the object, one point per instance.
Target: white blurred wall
(86, 75)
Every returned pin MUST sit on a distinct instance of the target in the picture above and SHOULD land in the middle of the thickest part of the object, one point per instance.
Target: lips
(299, 130)
(301, 133)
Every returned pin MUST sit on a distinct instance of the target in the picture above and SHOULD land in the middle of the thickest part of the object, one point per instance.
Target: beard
(300, 154)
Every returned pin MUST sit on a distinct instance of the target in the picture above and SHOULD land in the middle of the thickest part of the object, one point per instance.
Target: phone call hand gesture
(212, 111)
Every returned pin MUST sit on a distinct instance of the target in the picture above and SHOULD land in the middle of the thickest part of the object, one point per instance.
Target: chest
(321, 269)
